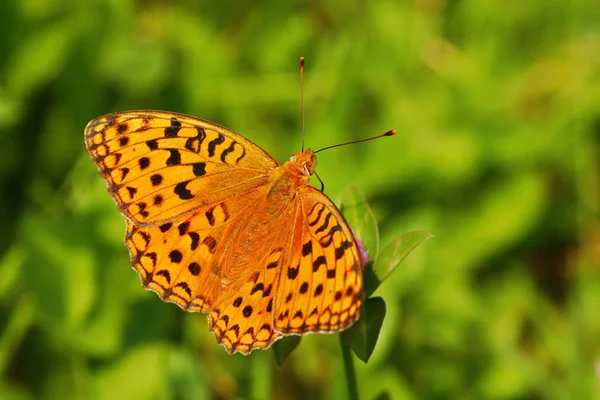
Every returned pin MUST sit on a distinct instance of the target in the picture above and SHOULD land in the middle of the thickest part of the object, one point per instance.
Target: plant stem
(349, 371)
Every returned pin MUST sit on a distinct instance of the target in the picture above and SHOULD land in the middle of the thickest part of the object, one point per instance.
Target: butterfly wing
(242, 319)
(185, 261)
(320, 285)
(161, 166)
(308, 277)
(201, 234)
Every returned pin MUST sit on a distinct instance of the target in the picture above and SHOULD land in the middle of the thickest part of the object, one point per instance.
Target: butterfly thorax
(288, 178)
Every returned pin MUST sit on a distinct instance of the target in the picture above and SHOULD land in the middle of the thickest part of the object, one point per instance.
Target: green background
(497, 108)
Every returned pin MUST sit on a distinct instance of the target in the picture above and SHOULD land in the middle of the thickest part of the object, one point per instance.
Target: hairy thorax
(287, 179)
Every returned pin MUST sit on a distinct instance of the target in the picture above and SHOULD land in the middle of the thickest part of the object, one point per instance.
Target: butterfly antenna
(302, 96)
(388, 133)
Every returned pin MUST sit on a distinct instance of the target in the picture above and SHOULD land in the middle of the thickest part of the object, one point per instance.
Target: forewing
(320, 285)
(160, 166)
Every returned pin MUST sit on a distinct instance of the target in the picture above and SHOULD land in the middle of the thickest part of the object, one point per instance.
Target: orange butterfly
(215, 224)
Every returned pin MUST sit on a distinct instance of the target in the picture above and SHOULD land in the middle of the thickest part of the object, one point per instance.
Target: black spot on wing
(304, 287)
(144, 236)
(267, 292)
(152, 144)
(152, 256)
(142, 209)
(175, 256)
(185, 287)
(325, 223)
(156, 179)
(124, 172)
(228, 150)
(339, 251)
(272, 264)
(199, 168)
(318, 217)
(247, 311)
(195, 239)
(117, 157)
(292, 273)
(335, 228)
(182, 191)
(194, 144)
(194, 268)
(132, 191)
(270, 305)
(321, 260)
(213, 144)
(144, 162)
(165, 227)
(241, 155)
(183, 228)
(257, 287)
(174, 158)
(307, 248)
(236, 329)
(173, 130)
(164, 273)
(210, 216)
(319, 289)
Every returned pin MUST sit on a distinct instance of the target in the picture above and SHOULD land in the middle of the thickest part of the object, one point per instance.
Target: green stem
(349, 371)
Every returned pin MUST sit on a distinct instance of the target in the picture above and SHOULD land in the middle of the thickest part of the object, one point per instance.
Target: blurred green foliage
(497, 106)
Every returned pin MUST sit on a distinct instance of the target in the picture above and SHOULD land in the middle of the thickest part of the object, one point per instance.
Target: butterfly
(216, 225)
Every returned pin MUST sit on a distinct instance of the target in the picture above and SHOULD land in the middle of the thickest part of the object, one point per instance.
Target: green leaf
(391, 256)
(284, 347)
(361, 219)
(363, 335)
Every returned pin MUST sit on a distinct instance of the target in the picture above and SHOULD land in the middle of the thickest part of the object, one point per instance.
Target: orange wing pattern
(309, 279)
(183, 261)
(160, 166)
(243, 318)
(320, 286)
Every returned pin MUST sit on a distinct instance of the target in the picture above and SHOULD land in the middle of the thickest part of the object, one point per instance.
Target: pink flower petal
(362, 252)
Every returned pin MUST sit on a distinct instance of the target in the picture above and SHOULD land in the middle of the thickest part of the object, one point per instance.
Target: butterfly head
(304, 161)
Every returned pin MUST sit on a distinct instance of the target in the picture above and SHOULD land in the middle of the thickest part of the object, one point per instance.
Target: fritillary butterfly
(215, 224)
